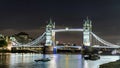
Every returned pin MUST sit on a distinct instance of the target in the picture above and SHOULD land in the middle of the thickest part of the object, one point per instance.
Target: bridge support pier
(49, 49)
(54, 50)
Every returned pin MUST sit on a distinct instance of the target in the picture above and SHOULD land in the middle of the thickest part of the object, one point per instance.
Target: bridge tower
(87, 28)
(49, 33)
(49, 37)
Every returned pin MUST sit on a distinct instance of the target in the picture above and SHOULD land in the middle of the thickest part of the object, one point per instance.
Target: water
(26, 60)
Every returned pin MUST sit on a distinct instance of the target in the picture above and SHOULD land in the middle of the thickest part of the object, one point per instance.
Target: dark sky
(32, 15)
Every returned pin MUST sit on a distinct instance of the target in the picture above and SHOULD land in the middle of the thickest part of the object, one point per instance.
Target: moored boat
(91, 57)
(43, 59)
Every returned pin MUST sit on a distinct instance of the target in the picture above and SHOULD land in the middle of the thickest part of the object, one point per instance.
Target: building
(23, 37)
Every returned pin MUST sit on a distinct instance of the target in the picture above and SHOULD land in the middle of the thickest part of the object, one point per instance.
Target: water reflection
(103, 59)
(22, 60)
(4, 60)
(69, 61)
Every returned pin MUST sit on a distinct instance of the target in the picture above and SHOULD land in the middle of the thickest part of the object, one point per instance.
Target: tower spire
(50, 21)
(87, 18)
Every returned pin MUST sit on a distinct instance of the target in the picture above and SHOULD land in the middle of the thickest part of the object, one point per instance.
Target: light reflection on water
(22, 60)
(103, 59)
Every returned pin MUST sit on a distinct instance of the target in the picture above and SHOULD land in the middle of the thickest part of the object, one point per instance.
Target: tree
(3, 43)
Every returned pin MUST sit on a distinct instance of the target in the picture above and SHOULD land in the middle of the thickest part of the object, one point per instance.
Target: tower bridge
(49, 37)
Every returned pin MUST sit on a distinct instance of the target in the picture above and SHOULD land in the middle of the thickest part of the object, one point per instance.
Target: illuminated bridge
(49, 37)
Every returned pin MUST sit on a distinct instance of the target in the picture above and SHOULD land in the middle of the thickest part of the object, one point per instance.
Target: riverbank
(5, 51)
(115, 64)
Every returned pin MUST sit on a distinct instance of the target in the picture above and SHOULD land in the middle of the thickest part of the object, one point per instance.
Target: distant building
(23, 37)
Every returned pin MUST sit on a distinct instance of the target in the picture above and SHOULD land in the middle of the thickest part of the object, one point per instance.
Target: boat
(87, 57)
(91, 57)
(43, 60)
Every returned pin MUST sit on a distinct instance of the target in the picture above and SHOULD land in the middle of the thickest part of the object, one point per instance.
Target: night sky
(31, 16)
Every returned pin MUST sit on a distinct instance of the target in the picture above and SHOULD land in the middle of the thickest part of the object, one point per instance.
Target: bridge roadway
(60, 49)
(40, 47)
(68, 46)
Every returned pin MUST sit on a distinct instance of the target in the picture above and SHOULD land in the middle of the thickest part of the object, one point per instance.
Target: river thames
(26, 60)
